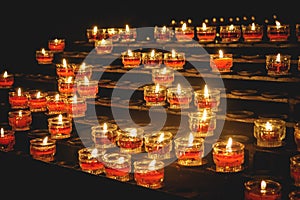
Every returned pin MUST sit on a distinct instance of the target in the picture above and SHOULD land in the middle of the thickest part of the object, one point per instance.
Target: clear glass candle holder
(113, 34)
(43, 149)
(184, 33)
(82, 71)
(104, 46)
(149, 173)
(90, 160)
(230, 33)
(207, 99)
(37, 101)
(221, 62)
(175, 60)
(56, 45)
(56, 104)
(189, 150)
(76, 106)
(278, 64)
(20, 120)
(67, 85)
(253, 32)
(163, 34)
(6, 80)
(206, 33)
(179, 97)
(130, 140)
(131, 59)
(262, 189)
(7, 140)
(44, 56)
(294, 195)
(278, 32)
(117, 166)
(228, 155)
(297, 135)
(163, 76)
(152, 59)
(127, 34)
(18, 99)
(105, 135)
(64, 69)
(295, 169)
(158, 144)
(87, 88)
(93, 34)
(269, 132)
(202, 123)
(60, 127)
(155, 95)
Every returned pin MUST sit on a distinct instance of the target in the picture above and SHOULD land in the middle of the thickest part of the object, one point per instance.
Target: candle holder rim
(257, 182)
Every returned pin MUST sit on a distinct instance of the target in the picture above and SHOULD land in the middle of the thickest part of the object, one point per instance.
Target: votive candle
(7, 140)
(43, 149)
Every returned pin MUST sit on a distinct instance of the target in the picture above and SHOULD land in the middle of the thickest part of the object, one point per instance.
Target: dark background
(26, 27)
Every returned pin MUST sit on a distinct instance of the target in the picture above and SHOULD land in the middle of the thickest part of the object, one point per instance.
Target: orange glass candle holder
(278, 64)
(230, 33)
(67, 85)
(37, 101)
(6, 80)
(228, 156)
(105, 135)
(174, 60)
(163, 34)
(87, 88)
(20, 120)
(90, 160)
(163, 76)
(60, 127)
(152, 59)
(117, 166)
(131, 59)
(93, 34)
(207, 99)
(184, 33)
(158, 144)
(130, 140)
(44, 56)
(221, 62)
(149, 173)
(76, 106)
(262, 189)
(155, 95)
(56, 45)
(64, 69)
(43, 149)
(189, 150)
(18, 99)
(252, 32)
(7, 140)
(278, 32)
(179, 97)
(206, 33)
(56, 104)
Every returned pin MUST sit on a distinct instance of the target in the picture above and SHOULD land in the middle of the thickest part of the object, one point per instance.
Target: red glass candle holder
(163, 76)
(206, 33)
(163, 34)
(95, 33)
(158, 144)
(60, 127)
(179, 97)
(76, 106)
(207, 99)
(7, 140)
(221, 62)
(87, 88)
(6, 80)
(155, 95)
(90, 160)
(64, 69)
(20, 120)
(230, 33)
(252, 32)
(127, 34)
(262, 189)
(189, 150)
(228, 156)
(56, 45)
(278, 64)
(56, 104)
(278, 32)
(269, 132)
(152, 59)
(131, 59)
(44, 56)
(67, 85)
(113, 34)
(104, 135)
(149, 173)
(43, 149)
(174, 60)
(130, 140)
(104, 46)
(18, 99)
(37, 101)
(117, 166)
(184, 33)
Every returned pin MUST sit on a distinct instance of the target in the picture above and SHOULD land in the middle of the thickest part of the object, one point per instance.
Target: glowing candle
(104, 46)
(174, 60)
(158, 144)
(163, 76)
(87, 88)
(208, 99)
(67, 85)
(155, 95)
(56, 104)
(252, 33)
(278, 32)
(128, 34)
(206, 33)
(262, 190)
(152, 59)
(20, 120)
(76, 106)
(184, 33)
(56, 45)
(7, 140)
(130, 140)
(179, 97)
(278, 64)
(6, 80)
(37, 101)
(44, 56)
(202, 123)
(131, 59)
(162, 34)
(90, 160)
(19, 99)
(43, 149)
(104, 135)
(64, 69)
(230, 33)
(221, 62)
(113, 34)
(60, 127)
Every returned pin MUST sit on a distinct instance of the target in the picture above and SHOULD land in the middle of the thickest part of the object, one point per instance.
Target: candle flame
(86, 80)
(178, 88)
(56, 41)
(103, 42)
(164, 29)
(43, 51)
(94, 153)
(161, 137)
(183, 27)
(253, 26)
(133, 132)
(64, 61)
(269, 126)
(152, 53)
(204, 26)
(5, 74)
(69, 79)
(204, 115)
(191, 139)
(231, 27)
(228, 145)
(19, 92)
(278, 57)
(277, 24)
(263, 186)
(20, 113)
(151, 165)
(173, 53)
(82, 66)
(164, 70)
(120, 160)
(127, 28)
(221, 54)
(60, 118)
(129, 53)
(2, 132)
(104, 127)
(38, 95)
(56, 97)
(75, 99)
(95, 30)
(45, 140)
(156, 88)
(206, 93)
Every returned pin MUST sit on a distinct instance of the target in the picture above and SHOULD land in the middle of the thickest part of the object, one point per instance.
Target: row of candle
(46, 56)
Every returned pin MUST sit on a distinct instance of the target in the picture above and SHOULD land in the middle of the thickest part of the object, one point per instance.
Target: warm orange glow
(204, 26)
(191, 139)
(5, 74)
(45, 140)
(2, 132)
(221, 54)
(206, 93)
(253, 27)
(151, 165)
(263, 186)
(278, 58)
(228, 145)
